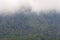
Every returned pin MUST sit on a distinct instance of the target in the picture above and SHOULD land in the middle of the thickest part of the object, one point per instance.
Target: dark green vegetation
(29, 25)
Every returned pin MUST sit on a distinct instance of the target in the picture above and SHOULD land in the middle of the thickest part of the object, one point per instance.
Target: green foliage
(21, 26)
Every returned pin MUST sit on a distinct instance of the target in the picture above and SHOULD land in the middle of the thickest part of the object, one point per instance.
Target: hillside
(27, 25)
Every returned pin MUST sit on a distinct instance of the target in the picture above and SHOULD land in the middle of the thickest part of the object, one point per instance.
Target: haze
(37, 5)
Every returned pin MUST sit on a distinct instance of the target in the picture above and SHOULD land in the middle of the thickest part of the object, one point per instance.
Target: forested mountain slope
(27, 25)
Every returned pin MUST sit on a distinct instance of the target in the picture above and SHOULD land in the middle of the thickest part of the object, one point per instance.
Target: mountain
(28, 25)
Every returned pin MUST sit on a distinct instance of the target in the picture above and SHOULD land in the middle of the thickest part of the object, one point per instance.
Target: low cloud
(37, 5)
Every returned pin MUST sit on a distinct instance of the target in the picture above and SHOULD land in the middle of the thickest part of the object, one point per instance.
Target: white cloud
(11, 5)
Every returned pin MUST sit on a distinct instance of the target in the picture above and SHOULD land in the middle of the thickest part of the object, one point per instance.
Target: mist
(36, 5)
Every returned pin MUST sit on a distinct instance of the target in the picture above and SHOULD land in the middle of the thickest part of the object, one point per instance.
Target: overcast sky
(12, 5)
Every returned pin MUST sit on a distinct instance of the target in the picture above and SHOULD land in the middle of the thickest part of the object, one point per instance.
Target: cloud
(37, 5)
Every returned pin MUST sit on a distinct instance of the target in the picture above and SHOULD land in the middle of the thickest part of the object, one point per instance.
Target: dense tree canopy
(29, 25)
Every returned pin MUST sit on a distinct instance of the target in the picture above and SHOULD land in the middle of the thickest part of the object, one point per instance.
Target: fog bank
(36, 5)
